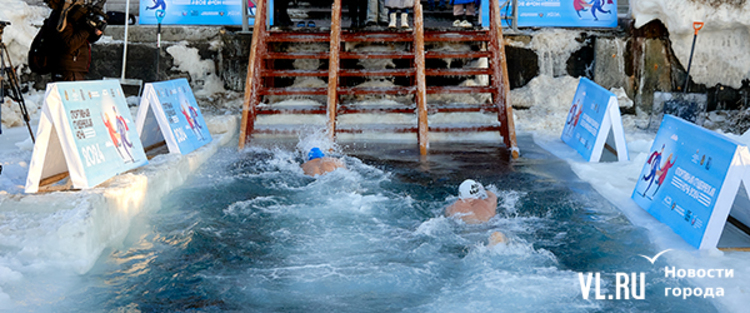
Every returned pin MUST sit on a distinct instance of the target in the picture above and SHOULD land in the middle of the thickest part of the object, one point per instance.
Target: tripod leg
(15, 88)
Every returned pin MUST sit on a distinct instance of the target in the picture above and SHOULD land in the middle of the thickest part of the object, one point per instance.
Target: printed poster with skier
(192, 12)
(94, 131)
(561, 13)
(592, 117)
(170, 113)
(683, 182)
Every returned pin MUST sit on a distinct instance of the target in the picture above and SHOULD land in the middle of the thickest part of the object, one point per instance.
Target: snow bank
(722, 46)
(25, 21)
(67, 231)
(188, 60)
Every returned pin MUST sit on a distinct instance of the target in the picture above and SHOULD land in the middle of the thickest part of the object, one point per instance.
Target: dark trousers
(280, 13)
(358, 12)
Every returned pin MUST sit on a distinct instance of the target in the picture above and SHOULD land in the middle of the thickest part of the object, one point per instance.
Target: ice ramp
(339, 79)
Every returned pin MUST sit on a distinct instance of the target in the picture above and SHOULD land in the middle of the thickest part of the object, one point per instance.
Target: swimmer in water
(475, 205)
(319, 164)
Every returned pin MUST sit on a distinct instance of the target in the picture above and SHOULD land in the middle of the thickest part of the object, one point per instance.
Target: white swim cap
(470, 189)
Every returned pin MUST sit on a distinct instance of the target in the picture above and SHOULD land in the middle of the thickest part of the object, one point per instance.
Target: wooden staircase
(412, 77)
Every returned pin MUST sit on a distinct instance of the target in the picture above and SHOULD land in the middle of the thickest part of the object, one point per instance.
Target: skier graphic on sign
(117, 128)
(573, 116)
(655, 161)
(191, 115)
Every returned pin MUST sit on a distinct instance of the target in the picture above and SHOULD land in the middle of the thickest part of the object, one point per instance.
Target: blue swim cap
(314, 154)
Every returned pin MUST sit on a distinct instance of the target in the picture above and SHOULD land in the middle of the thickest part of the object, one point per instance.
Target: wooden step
(370, 73)
(377, 90)
(289, 109)
(465, 128)
(411, 109)
(381, 128)
(459, 89)
(296, 55)
(342, 73)
(298, 36)
(378, 36)
(456, 36)
(286, 91)
(375, 109)
(456, 55)
(294, 73)
(458, 71)
(377, 55)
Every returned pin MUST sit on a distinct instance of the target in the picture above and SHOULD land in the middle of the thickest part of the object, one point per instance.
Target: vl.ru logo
(627, 285)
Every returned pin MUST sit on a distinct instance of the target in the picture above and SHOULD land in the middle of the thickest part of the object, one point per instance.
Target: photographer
(73, 35)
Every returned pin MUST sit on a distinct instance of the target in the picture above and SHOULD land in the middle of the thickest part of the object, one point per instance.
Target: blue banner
(586, 116)
(683, 176)
(193, 12)
(103, 130)
(559, 13)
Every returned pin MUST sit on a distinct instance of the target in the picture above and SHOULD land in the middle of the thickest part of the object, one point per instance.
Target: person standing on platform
(281, 13)
(357, 13)
(464, 11)
(376, 13)
(396, 7)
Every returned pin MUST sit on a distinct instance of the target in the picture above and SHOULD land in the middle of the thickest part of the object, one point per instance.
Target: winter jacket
(399, 4)
(74, 49)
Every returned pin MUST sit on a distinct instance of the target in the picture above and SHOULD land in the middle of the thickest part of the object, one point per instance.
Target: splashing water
(251, 233)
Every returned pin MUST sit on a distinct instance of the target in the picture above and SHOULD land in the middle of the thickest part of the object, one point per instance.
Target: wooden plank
(500, 80)
(296, 55)
(294, 73)
(456, 36)
(293, 92)
(376, 109)
(421, 92)
(333, 68)
(459, 89)
(369, 73)
(53, 179)
(377, 55)
(377, 90)
(457, 55)
(465, 129)
(287, 36)
(458, 71)
(377, 36)
(253, 81)
(291, 110)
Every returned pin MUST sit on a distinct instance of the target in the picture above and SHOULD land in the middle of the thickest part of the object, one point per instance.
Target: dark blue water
(250, 233)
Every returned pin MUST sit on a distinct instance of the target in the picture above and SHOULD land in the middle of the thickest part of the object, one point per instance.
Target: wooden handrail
(333, 68)
(500, 80)
(253, 80)
(419, 65)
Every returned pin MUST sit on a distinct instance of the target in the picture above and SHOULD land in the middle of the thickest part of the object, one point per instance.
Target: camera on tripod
(2, 27)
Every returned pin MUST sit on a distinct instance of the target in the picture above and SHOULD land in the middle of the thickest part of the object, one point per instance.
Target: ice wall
(721, 51)
(66, 232)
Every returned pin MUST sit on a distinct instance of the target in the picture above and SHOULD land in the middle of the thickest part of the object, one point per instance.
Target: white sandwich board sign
(86, 130)
(691, 179)
(169, 113)
(593, 115)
